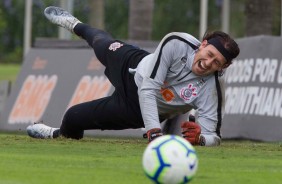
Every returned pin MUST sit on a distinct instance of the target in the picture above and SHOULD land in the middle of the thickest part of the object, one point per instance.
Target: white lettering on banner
(279, 75)
(240, 71)
(251, 70)
(254, 100)
(265, 70)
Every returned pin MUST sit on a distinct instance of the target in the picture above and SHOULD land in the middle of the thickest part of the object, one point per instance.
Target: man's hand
(191, 132)
(153, 134)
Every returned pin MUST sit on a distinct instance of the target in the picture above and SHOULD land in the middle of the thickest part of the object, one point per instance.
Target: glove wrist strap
(154, 133)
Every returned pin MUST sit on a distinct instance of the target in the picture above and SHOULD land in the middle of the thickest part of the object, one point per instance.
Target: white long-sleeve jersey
(167, 87)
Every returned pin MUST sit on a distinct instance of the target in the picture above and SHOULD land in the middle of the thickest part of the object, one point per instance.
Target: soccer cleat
(40, 131)
(61, 17)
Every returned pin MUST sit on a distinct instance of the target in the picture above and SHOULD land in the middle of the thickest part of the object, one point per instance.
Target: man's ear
(204, 43)
(226, 65)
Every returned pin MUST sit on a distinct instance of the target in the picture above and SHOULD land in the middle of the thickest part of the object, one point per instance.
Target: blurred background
(21, 22)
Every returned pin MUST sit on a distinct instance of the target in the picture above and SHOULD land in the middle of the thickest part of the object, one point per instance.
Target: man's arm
(153, 76)
(210, 103)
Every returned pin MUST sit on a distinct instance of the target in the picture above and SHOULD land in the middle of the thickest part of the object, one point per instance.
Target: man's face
(208, 60)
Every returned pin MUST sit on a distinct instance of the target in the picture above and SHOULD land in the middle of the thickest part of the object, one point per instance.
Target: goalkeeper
(182, 74)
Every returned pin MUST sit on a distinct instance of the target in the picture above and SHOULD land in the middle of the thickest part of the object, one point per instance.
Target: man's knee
(69, 128)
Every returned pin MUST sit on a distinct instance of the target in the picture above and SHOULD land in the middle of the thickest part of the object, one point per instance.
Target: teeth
(200, 63)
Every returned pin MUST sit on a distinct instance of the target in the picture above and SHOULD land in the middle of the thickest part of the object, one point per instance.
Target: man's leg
(109, 113)
(99, 40)
(119, 111)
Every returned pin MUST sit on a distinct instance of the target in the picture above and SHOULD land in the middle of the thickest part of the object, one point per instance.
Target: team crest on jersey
(167, 95)
(187, 93)
(114, 46)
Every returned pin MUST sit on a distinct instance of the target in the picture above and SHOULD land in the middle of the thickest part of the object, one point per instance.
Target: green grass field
(24, 160)
(9, 71)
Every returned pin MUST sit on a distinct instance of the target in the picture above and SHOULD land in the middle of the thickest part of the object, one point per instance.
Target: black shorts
(119, 111)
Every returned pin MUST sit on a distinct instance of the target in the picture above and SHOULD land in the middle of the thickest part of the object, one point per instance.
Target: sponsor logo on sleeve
(167, 94)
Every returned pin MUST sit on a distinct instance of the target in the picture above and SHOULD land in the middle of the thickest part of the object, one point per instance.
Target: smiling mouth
(200, 64)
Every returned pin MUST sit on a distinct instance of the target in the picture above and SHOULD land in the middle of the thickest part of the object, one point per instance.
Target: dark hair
(227, 42)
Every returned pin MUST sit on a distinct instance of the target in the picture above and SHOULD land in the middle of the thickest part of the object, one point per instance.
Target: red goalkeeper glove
(153, 134)
(191, 131)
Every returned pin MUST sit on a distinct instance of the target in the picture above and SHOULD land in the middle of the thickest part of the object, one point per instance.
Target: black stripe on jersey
(219, 110)
(184, 76)
(154, 72)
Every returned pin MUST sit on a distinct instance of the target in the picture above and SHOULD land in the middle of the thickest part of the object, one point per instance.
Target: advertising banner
(254, 91)
(50, 81)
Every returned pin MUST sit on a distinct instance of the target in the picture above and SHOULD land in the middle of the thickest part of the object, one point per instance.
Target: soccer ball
(170, 159)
